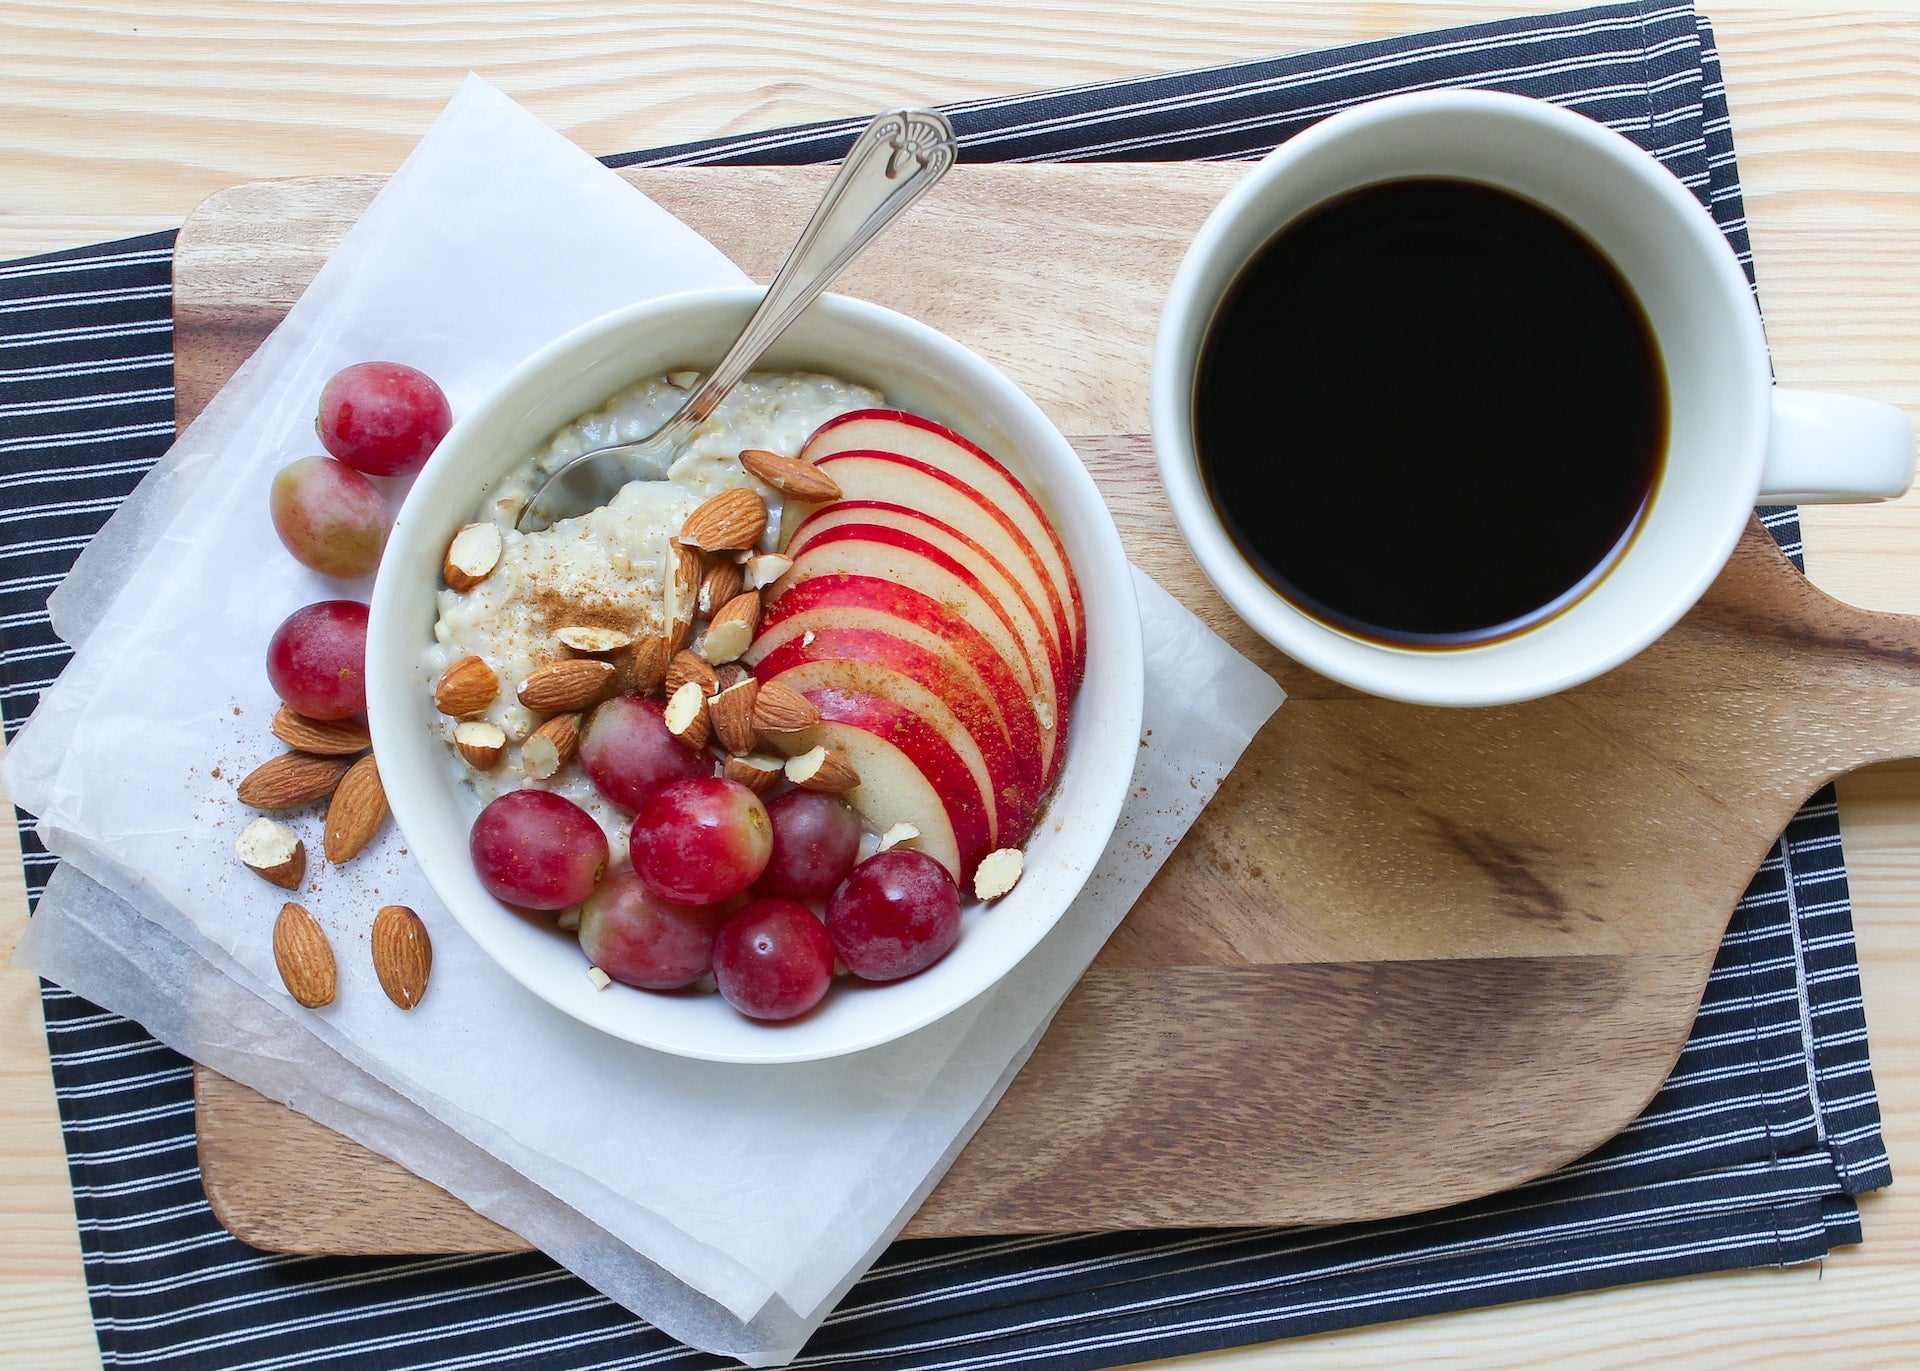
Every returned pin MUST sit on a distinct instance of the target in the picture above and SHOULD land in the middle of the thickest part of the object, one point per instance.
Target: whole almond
(305, 959)
(321, 737)
(689, 666)
(724, 580)
(402, 954)
(565, 687)
(480, 743)
(732, 519)
(358, 810)
(686, 715)
(551, 746)
(822, 769)
(292, 781)
(757, 772)
(683, 574)
(471, 556)
(273, 852)
(793, 478)
(780, 708)
(732, 714)
(466, 689)
(649, 663)
(731, 631)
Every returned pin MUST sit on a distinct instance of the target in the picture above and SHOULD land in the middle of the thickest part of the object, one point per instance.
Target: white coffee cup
(1735, 439)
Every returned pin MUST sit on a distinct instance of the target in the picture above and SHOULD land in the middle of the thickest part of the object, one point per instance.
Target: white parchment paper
(730, 1205)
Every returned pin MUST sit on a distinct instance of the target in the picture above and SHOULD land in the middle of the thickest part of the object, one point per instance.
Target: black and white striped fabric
(1749, 1155)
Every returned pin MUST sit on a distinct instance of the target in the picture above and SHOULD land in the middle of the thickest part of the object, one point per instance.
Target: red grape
(772, 959)
(628, 754)
(816, 841)
(317, 659)
(898, 913)
(700, 841)
(330, 517)
(538, 850)
(383, 418)
(640, 939)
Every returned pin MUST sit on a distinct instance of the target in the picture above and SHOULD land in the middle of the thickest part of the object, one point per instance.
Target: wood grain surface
(117, 117)
(1461, 943)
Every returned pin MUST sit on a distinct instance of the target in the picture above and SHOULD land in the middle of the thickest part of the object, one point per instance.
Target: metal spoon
(892, 164)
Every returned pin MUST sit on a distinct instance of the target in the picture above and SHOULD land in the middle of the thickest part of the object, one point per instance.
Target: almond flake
(600, 979)
(683, 380)
(898, 834)
(472, 556)
(997, 872)
(582, 639)
(569, 920)
(765, 569)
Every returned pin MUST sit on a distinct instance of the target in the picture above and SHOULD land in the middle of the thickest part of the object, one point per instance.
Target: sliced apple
(888, 478)
(969, 723)
(922, 440)
(1037, 629)
(908, 774)
(1013, 691)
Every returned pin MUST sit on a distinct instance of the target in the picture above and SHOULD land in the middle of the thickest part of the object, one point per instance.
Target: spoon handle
(890, 165)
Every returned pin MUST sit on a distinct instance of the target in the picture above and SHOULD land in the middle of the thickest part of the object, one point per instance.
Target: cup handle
(1835, 450)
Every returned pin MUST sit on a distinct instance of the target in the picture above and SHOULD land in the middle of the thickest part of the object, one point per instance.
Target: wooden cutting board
(1406, 958)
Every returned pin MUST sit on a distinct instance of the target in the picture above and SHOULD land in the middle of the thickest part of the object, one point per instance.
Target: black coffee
(1430, 412)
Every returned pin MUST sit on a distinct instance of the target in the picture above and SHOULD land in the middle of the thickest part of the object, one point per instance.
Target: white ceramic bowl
(917, 369)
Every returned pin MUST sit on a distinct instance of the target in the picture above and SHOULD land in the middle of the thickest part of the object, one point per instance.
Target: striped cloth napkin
(1749, 1155)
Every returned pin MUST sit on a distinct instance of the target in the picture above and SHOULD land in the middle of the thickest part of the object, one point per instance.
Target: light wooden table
(117, 117)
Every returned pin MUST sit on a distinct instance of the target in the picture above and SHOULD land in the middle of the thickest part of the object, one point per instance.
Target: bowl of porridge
(962, 530)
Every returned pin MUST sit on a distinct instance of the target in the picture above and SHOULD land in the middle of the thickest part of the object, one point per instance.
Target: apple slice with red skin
(834, 601)
(908, 774)
(890, 555)
(892, 479)
(848, 517)
(910, 435)
(970, 726)
(853, 631)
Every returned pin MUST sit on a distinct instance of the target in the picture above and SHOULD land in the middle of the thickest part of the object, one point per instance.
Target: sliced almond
(997, 872)
(321, 737)
(686, 715)
(569, 920)
(305, 958)
(822, 769)
(551, 746)
(757, 772)
(480, 743)
(583, 639)
(466, 689)
(649, 663)
(690, 666)
(731, 630)
(402, 954)
(765, 569)
(724, 580)
(598, 979)
(793, 478)
(898, 834)
(780, 708)
(472, 556)
(273, 852)
(292, 781)
(732, 519)
(683, 380)
(683, 591)
(732, 714)
(358, 810)
(565, 687)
